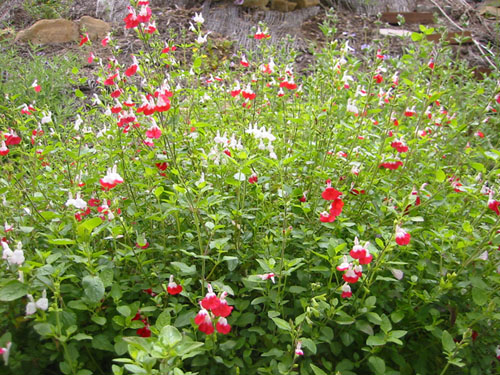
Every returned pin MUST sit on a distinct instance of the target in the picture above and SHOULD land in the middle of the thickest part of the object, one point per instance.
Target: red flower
(36, 86)
(145, 246)
(399, 145)
(430, 64)
(378, 78)
(11, 138)
(493, 204)
(144, 332)
(211, 301)
(303, 198)
(402, 237)
(202, 319)
(154, 132)
(391, 164)
(131, 20)
(162, 104)
(222, 326)
(111, 179)
(358, 251)
(350, 276)
(259, 35)
(84, 39)
(172, 287)
(132, 69)
(336, 207)
(244, 61)
(326, 217)
(253, 178)
(3, 149)
(162, 166)
(222, 309)
(330, 194)
(110, 80)
(346, 291)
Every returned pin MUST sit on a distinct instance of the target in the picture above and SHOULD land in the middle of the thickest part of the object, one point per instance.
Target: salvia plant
(254, 219)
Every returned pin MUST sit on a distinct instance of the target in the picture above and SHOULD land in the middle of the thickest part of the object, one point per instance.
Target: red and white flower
(346, 291)
(222, 326)
(154, 132)
(36, 86)
(173, 288)
(204, 322)
(222, 309)
(111, 179)
(132, 69)
(298, 349)
(402, 237)
(210, 301)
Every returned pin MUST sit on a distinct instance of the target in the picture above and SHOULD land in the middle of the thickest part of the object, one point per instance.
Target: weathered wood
(374, 7)
(410, 18)
(464, 36)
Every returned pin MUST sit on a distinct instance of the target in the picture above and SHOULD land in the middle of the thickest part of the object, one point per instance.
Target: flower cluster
(218, 308)
(111, 179)
(15, 257)
(354, 270)
(331, 194)
(41, 304)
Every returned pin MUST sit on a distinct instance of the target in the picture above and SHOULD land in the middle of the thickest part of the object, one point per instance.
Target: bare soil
(229, 22)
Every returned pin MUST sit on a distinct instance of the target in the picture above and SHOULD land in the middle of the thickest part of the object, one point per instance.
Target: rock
(306, 3)
(261, 4)
(97, 29)
(112, 10)
(395, 32)
(283, 5)
(49, 32)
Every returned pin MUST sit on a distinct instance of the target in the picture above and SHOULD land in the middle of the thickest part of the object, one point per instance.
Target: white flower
(30, 306)
(78, 202)
(78, 122)
(43, 303)
(47, 117)
(198, 18)
(202, 39)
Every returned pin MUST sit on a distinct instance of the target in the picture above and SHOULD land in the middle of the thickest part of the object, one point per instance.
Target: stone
(49, 32)
(306, 3)
(283, 5)
(112, 10)
(395, 32)
(260, 4)
(95, 28)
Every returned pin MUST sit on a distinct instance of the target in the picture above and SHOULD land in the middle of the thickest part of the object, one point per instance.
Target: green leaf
(81, 336)
(282, 324)
(62, 241)
(87, 226)
(124, 310)
(365, 327)
(447, 341)
(416, 37)
(479, 296)
(102, 342)
(274, 352)
(386, 325)
(101, 320)
(397, 316)
(317, 370)
(377, 364)
(170, 336)
(440, 176)
(13, 290)
(79, 93)
(184, 268)
(309, 345)
(377, 340)
(93, 288)
(370, 301)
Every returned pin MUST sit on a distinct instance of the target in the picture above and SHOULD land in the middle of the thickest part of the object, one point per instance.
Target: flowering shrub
(253, 219)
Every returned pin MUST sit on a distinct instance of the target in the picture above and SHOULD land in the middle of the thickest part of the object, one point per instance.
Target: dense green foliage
(218, 189)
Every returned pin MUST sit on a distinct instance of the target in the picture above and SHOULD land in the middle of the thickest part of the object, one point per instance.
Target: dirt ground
(225, 20)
